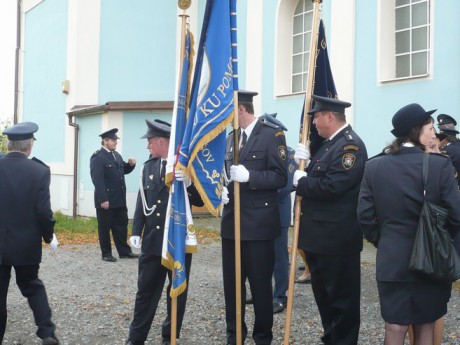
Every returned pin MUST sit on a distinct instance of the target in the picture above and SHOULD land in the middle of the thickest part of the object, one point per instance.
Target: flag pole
(304, 140)
(183, 5)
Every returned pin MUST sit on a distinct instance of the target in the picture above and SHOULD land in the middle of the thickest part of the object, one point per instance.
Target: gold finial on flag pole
(184, 4)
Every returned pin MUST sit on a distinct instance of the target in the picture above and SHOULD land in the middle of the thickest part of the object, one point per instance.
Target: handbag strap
(426, 160)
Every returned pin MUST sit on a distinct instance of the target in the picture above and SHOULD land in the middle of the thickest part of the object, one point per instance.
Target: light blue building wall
(45, 62)
(138, 45)
(375, 103)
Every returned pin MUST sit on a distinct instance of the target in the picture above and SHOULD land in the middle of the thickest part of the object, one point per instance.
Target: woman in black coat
(389, 208)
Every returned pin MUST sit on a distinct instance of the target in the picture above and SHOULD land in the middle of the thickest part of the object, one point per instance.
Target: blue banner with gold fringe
(211, 102)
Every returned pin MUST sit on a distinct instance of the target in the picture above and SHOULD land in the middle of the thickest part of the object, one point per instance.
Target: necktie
(163, 170)
(243, 139)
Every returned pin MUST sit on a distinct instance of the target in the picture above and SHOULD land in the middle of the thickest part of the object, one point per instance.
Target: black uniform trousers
(257, 261)
(117, 220)
(150, 284)
(336, 284)
(33, 289)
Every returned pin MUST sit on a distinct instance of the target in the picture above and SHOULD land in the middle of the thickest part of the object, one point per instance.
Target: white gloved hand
(135, 241)
(180, 175)
(301, 152)
(239, 173)
(297, 176)
(225, 198)
(54, 243)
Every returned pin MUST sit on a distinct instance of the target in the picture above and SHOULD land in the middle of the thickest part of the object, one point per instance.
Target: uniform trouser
(117, 220)
(281, 268)
(257, 258)
(336, 284)
(33, 289)
(152, 276)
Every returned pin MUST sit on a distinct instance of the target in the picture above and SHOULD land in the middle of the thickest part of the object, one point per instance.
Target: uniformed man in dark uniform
(25, 219)
(450, 146)
(148, 223)
(329, 230)
(281, 268)
(108, 174)
(261, 171)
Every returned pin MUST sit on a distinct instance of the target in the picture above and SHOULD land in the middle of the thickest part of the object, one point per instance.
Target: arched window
(301, 38)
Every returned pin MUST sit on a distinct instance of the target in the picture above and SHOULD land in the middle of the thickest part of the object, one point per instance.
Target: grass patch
(84, 230)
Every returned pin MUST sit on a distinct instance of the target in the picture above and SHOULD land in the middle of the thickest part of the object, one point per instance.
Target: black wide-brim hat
(157, 128)
(409, 117)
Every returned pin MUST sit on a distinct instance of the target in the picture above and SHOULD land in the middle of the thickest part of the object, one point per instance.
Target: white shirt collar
(248, 129)
(337, 131)
(408, 145)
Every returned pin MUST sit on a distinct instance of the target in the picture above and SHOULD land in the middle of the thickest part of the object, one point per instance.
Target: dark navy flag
(211, 104)
(179, 235)
(323, 84)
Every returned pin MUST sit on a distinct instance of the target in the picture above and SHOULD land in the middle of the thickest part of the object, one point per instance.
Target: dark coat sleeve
(97, 176)
(366, 211)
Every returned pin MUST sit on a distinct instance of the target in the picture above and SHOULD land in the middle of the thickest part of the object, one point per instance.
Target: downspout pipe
(16, 68)
(75, 164)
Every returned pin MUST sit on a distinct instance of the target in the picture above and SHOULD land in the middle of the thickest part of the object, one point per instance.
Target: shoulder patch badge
(282, 151)
(291, 168)
(348, 160)
(279, 133)
(351, 147)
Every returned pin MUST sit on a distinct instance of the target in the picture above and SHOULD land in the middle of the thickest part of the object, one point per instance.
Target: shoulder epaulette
(269, 124)
(39, 161)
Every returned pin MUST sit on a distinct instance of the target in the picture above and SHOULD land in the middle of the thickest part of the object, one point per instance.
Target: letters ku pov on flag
(211, 102)
(179, 236)
(323, 84)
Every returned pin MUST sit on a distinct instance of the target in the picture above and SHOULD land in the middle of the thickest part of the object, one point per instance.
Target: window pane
(298, 8)
(419, 63)
(297, 64)
(306, 61)
(304, 79)
(402, 42)
(308, 5)
(297, 83)
(420, 38)
(402, 18)
(414, 1)
(402, 66)
(401, 2)
(308, 21)
(297, 44)
(419, 14)
(298, 25)
(307, 42)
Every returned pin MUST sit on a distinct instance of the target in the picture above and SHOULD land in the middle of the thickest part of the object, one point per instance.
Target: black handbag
(433, 254)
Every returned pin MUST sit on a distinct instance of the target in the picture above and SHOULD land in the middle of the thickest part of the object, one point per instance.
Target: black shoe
(109, 258)
(165, 341)
(50, 341)
(278, 307)
(301, 268)
(303, 281)
(134, 342)
(129, 256)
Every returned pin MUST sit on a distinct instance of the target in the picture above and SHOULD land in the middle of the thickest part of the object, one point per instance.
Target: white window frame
(386, 47)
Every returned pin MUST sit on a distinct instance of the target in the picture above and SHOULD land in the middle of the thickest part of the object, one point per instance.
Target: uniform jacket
(151, 228)
(453, 151)
(25, 210)
(284, 194)
(328, 223)
(108, 178)
(390, 203)
(265, 157)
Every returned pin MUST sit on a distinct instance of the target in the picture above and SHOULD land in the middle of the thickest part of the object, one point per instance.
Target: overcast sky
(7, 52)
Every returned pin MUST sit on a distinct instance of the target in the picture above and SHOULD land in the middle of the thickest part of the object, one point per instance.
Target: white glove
(297, 176)
(135, 241)
(301, 152)
(239, 173)
(180, 175)
(54, 243)
(225, 198)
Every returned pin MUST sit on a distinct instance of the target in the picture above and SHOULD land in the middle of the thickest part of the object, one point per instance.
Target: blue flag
(179, 236)
(211, 102)
(323, 84)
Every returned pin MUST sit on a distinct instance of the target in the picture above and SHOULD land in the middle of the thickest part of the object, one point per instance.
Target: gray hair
(20, 145)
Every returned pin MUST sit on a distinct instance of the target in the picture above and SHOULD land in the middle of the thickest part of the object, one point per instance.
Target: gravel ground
(93, 301)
